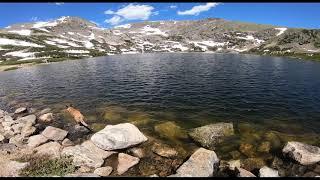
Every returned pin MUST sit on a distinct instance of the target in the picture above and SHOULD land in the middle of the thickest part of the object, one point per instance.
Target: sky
(299, 15)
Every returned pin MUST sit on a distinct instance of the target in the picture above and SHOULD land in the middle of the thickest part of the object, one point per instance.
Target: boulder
(77, 131)
(103, 171)
(119, 136)
(244, 173)
(268, 172)
(208, 136)
(87, 154)
(51, 149)
(20, 110)
(36, 140)
(137, 152)
(170, 130)
(125, 162)
(164, 150)
(48, 117)
(30, 119)
(202, 163)
(66, 142)
(55, 134)
(28, 131)
(303, 153)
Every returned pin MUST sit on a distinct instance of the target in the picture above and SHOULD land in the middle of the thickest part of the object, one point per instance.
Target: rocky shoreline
(31, 146)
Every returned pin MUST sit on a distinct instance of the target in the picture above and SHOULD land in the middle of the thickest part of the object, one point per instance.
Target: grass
(44, 166)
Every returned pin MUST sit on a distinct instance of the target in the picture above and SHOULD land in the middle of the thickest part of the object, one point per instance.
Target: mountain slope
(74, 37)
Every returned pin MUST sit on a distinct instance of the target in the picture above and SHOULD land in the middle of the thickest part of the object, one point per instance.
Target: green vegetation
(44, 166)
(11, 68)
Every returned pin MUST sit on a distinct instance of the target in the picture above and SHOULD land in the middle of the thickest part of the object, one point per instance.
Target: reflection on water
(270, 100)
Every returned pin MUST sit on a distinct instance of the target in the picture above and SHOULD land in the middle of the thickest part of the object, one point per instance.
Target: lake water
(189, 89)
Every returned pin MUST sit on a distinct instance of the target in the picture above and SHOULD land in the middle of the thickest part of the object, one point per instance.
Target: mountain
(74, 37)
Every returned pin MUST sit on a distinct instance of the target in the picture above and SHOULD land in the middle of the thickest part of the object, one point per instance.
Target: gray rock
(51, 149)
(103, 171)
(8, 147)
(48, 117)
(119, 136)
(17, 140)
(54, 133)
(208, 136)
(8, 134)
(87, 154)
(28, 131)
(84, 169)
(20, 110)
(125, 162)
(268, 172)
(66, 142)
(30, 119)
(76, 132)
(244, 173)
(303, 153)
(36, 140)
(202, 163)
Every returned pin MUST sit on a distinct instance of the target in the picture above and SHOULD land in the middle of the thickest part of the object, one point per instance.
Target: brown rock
(264, 147)
(125, 162)
(55, 134)
(66, 142)
(52, 149)
(164, 150)
(251, 164)
(36, 140)
(244, 173)
(48, 117)
(247, 149)
(137, 152)
(103, 171)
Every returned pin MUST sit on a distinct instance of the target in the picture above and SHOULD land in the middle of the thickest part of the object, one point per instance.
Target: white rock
(202, 163)
(48, 117)
(8, 118)
(103, 171)
(66, 142)
(268, 172)
(20, 110)
(125, 162)
(36, 140)
(27, 131)
(54, 133)
(87, 154)
(244, 173)
(303, 153)
(119, 136)
(51, 149)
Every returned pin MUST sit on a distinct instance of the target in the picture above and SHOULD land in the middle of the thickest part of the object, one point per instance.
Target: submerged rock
(164, 150)
(202, 163)
(264, 147)
(268, 172)
(87, 154)
(170, 130)
(44, 111)
(303, 153)
(247, 149)
(103, 171)
(119, 136)
(251, 164)
(208, 136)
(54, 133)
(125, 162)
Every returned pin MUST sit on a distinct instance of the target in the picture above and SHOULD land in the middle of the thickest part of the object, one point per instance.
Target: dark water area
(263, 93)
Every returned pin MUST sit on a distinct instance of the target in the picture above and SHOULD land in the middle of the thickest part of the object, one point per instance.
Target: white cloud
(58, 4)
(34, 19)
(173, 7)
(114, 20)
(196, 10)
(131, 12)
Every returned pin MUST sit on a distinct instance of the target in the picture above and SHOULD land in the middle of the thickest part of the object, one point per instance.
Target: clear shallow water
(190, 89)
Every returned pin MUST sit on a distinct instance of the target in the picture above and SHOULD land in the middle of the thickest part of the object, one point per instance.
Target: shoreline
(22, 150)
(4, 68)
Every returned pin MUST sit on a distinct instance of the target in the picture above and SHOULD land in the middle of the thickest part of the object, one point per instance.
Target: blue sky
(305, 15)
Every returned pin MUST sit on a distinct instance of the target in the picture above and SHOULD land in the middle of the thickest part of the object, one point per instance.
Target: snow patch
(20, 54)
(4, 41)
(152, 31)
(23, 32)
(126, 26)
(71, 33)
(77, 51)
(63, 41)
(282, 30)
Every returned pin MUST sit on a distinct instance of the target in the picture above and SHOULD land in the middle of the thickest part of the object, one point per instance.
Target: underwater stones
(44, 111)
(20, 110)
(235, 154)
(114, 114)
(202, 163)
(268, 172)
(251, 164)
(97, 126)
(303, 153)
(54, 133)
(87, 154)
(244, 173)
(51, 149)
(170, 130)
(36, 140)
(274, 139)
(138, 118)
(234, 164)
(164, 150)
(208, 136)
(247, 149)
(125, 162)
(118, 136)
(264, 147)
(48, 117)
(103, 171)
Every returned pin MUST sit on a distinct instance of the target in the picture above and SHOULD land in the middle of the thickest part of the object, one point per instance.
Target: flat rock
(17, 140)
(8, 118)
(54, 133)
(36, 140)
(244, 173)
(20, 110)
(103, 171)
(303, 153)
(30, 119)
(48, 117)
(125, 162)
(164, 150)
(268, 172)
(202, 163)
(208, 136)
(87, 154)
(52, 149)
(119, 136)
